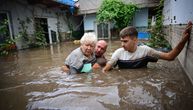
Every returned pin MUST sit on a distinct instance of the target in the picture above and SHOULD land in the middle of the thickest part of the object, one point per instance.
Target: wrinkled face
(100, 49)
(129, 44)
(87, 49)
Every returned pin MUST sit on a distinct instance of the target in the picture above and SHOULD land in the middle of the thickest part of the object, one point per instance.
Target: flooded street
(32, 80)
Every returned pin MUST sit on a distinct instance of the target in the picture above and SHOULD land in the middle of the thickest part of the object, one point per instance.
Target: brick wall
(173, 35)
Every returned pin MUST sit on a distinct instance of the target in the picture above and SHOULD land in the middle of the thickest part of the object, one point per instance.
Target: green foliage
(23, 28)
(116, 11)
(3, 27)
(40, 40)
(157, 39)
(7, 44)
(7, 47)
(39, 37)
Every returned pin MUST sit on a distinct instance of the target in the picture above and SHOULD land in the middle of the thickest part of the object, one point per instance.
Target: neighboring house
(52, 15)
(176, 14)
(88, 9)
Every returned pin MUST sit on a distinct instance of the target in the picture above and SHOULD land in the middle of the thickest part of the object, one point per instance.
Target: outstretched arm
(106, 68)
(175, 52)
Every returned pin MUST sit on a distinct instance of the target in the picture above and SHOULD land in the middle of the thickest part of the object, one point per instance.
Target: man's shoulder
(144, 47)
(120, 50)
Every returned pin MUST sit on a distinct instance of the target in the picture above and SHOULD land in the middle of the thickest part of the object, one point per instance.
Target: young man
(133, 56)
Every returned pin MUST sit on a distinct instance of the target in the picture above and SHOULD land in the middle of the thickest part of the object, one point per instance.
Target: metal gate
(103, 30)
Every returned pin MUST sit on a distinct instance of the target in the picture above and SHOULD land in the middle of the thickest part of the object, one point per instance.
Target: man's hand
(64, 68)
(96, 66)
(187, 31)
(175, 52)
(106, 68)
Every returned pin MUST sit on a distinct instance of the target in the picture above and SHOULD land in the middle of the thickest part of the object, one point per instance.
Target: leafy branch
(117, 12)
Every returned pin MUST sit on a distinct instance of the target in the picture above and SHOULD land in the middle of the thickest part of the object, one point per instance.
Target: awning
(62, 4)
(54, 3)
(66, 2)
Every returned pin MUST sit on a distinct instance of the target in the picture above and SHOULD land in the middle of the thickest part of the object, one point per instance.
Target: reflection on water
(32, 79)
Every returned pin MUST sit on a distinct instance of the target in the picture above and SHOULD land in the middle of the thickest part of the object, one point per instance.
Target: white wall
(178, 11)
(89, 22)
(141, 18)
(183, 12)
(52, 25)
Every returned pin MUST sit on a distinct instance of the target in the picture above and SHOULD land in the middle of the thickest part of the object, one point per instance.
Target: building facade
(176, 14)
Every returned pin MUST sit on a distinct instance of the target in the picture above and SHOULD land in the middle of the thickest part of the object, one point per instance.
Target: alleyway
(32, 79)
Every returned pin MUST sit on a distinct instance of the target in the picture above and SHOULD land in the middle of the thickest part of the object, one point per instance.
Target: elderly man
(83, 58)
(100, 49)
(133, 56)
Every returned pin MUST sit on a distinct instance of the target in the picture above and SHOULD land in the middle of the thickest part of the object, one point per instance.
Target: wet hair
(101, 61)
(128, 32)
(88, 38)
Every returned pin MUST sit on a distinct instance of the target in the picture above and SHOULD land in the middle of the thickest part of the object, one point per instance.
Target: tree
(117, 12)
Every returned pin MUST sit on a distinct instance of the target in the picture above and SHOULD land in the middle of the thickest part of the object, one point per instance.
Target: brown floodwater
(32, 79)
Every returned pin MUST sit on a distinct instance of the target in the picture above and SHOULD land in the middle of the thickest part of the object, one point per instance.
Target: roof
(91, 6)
(144, 3)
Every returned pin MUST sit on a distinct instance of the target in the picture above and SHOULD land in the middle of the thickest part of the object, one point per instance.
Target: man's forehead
(101, 43)
(124, 39)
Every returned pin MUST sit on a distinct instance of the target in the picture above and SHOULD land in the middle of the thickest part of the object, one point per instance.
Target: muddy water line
(32, 79)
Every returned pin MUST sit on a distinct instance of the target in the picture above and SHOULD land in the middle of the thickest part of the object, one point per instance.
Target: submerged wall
(174, 35)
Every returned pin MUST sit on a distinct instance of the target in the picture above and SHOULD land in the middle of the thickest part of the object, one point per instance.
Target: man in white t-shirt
(133, 56)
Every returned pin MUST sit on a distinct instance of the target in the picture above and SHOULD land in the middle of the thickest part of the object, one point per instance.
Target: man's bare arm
(175, 52)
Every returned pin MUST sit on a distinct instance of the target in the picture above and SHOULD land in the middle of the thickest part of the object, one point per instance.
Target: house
(88, 9)
(176, 14)
(23, 17)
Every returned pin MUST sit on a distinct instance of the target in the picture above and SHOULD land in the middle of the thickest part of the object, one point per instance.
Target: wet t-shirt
(76, 60)
(137, 59)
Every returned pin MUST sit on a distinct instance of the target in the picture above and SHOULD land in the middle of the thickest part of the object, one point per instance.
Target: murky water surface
(32, 80)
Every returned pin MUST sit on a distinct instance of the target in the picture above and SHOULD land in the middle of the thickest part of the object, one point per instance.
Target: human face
(100, 48)
(87, 49)
(129, 44)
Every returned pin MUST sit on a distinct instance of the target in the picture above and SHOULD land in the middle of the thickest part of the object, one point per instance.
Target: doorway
(5, 30)
(44, 24)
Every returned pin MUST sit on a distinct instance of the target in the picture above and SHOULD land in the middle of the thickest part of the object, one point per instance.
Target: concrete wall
(177, 13)
(174, 35)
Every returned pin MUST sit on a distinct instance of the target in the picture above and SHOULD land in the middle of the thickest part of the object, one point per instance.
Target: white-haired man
(83, 58)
